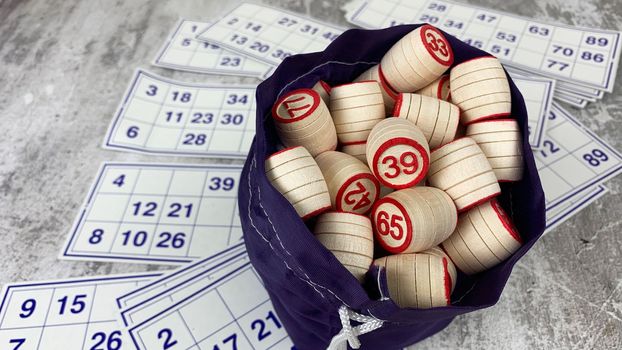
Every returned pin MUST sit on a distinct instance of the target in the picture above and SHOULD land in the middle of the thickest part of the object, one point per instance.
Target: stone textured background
(65, 64)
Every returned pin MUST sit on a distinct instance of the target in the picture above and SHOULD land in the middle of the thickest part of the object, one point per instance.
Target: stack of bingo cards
(405, 181)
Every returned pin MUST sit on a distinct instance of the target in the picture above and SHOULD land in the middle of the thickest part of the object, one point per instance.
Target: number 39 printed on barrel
(157, 213)
(161, 116)
(72, 314)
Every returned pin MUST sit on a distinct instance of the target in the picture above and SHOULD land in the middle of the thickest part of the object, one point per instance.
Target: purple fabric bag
(306, 283)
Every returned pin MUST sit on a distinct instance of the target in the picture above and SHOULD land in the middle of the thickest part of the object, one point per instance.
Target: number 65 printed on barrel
(162, 116)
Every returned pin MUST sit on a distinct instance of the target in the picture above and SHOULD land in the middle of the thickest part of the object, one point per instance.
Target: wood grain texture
(65, 65)
(409, 65)
(349, 237)
(437, 119)
(296, 175)
(461, 169)
(301, 118)
(352, 186)
(500, 140)
(413, 219)
(397, 153)
(388, 95)
(480, 88)
(484, 237)
(417, 280)
(356, 108)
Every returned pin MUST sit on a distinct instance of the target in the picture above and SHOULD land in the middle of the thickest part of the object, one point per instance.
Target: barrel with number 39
(398, 153)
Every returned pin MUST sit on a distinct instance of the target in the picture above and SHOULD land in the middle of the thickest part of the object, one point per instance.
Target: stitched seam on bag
(307, 279)
(315, 68)
(250, 192)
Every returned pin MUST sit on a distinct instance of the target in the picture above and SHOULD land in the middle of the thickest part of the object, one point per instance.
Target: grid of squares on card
(562, 87)
(588, 57)
(559, 214)
(71, 314)
(183, 52)
(240, 315)
(538, 96)
(269, 34)
(572, 158)
(166, 117)
(157, 213)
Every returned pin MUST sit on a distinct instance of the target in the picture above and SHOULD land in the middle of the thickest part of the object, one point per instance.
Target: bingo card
(572, 100)
(157, 213)
(241, 317)
(583, 56)
(572, 158)
(177, 277)
(161, 294)
(269, 34)
(183, 52)
(561, 213)
(162, 116)
(538, 95)
(72, 314)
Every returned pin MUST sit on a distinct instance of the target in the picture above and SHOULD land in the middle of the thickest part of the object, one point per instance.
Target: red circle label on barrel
(358, 194)
(296, 105)
(437, 45)
(400, 163)
(392, 225)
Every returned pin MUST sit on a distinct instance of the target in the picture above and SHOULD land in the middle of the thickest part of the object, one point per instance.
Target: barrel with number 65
(413, 219)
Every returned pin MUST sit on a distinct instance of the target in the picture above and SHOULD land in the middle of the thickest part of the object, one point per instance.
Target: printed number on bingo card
(157, 213)
(161, 116)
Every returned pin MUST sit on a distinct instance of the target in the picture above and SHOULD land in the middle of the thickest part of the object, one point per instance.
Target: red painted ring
(314, 105)
(506, 221)
(425, 160)
(409, 229)
(450, 58)
(349, 181)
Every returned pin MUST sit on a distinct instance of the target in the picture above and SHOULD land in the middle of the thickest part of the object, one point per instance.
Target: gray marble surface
(65, 64)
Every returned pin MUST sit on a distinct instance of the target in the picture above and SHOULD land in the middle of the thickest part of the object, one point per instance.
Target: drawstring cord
(348, 334)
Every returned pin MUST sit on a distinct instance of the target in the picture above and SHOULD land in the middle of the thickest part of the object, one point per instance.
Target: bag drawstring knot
(348, 334)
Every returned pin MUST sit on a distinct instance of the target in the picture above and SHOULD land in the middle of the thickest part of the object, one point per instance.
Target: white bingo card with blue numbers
(143, 303)
(162, 116)
(183, 52)
(157, 213)
(178, 277)
(583, 56)
(269, 34)
(538, 96)
(557, 215)
(572, 158)
(72, 314)
(240, 316)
